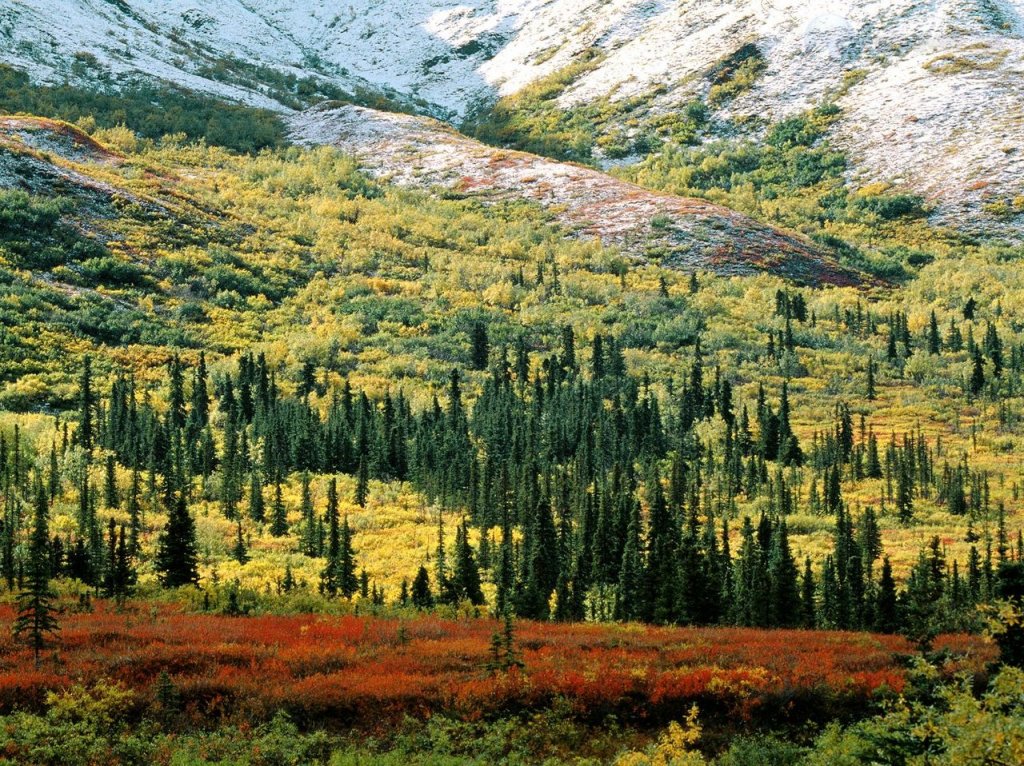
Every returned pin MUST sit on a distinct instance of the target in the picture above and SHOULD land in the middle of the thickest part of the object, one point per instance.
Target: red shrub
(358, 669)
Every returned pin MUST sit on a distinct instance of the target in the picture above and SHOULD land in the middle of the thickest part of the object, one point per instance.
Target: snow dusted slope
(398, 47)
(932, 89)
(682, 232)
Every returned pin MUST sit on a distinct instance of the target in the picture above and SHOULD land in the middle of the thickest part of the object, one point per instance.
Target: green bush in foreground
(933, 723)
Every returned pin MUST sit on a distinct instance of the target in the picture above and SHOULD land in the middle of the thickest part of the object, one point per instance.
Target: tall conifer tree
(36, 622)
(177, 559)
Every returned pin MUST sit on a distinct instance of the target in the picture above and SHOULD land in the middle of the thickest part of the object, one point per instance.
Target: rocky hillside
(930, 90)
(677, 231)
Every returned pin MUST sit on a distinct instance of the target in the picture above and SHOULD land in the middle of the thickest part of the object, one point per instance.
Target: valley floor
(150, 667)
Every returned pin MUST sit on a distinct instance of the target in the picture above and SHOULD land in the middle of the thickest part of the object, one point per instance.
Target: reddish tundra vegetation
(369, 671)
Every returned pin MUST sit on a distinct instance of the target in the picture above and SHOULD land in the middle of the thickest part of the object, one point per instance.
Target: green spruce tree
(36, 621)
(177, 560)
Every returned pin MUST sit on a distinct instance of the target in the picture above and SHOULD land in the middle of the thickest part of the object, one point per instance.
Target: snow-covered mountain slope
(932, 89)
(680, 232)
(402, 48)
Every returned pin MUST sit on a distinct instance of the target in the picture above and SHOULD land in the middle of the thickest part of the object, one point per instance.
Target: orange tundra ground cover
(367, 671)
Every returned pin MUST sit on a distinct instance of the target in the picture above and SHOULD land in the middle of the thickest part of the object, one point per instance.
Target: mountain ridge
(929, 91)
(680, 232)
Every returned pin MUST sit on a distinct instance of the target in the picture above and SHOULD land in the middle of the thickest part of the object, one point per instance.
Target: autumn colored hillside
(678, 232)
(133, 250)
(605, 435)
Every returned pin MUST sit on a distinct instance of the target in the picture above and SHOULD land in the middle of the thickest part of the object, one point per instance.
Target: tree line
(589, 495)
